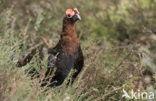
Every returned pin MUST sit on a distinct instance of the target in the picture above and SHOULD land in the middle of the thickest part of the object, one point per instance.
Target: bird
(66, 55)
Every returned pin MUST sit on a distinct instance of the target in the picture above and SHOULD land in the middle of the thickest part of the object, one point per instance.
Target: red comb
(70, 11)
(76, 10)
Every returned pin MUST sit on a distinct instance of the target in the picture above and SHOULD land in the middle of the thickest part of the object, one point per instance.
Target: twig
(45, 41)
(102, 97)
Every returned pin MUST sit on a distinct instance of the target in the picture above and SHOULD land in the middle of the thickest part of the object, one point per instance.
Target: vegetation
(118, 39)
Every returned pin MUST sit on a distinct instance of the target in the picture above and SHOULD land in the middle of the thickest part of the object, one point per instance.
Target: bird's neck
(69, 39)
(69, 30)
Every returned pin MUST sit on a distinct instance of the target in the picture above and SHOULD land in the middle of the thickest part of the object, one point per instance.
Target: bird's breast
(70, 45)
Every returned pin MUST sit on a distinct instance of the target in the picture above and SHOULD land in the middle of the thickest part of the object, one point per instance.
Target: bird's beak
(78, 17)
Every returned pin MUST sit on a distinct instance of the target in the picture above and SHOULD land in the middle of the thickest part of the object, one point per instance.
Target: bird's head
(72, 15)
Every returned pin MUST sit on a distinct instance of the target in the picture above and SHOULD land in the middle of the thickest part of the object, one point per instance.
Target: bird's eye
(69, 16)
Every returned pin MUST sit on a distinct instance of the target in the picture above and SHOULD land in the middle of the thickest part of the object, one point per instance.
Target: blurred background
(118, 39)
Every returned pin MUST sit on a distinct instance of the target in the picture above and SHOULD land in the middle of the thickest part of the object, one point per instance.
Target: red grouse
(66, 55)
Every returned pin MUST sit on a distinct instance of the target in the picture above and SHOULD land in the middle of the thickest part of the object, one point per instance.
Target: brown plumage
(67, 54)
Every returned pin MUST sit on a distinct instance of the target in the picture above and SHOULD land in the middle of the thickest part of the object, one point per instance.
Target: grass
(117, 39)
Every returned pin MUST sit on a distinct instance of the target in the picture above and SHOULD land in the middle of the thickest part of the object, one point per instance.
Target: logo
(138, 95)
